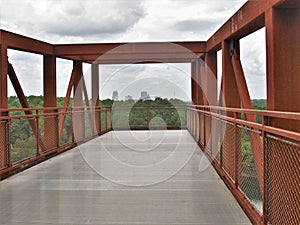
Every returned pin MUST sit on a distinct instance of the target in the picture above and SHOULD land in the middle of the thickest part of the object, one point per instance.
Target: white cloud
(65, 21)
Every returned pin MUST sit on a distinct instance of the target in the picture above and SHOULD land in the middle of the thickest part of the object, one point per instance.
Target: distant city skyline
(158, 80)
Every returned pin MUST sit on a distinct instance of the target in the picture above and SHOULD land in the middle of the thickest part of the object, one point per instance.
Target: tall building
(145, 96)
(128, 97)
(115, 95)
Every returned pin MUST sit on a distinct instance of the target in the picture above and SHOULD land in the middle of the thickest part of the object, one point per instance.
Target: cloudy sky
(72, 21)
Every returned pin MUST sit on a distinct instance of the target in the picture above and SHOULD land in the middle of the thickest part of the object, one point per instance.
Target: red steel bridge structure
(274, 142)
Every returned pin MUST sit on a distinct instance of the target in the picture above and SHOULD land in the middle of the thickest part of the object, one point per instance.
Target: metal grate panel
(23, 146)
(228, 147)
(67, 131)
(247, 142)
(4, 155)
(283, 181)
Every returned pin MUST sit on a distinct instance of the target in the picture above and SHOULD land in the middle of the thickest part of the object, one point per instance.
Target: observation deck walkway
(71, 189)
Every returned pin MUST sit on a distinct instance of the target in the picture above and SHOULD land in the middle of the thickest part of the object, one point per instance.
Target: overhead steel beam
(249, 18)
(135, 58)
(121, 53)
(129, 48)
(246, 20)
(139, 60)
(23, 43)
(114, 53)
(92, 60)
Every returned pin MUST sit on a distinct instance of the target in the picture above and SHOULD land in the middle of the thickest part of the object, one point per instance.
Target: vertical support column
(210, 90)
(229, 86)
(283, 91)
(78, 114)
(232, 100)
(197, 96)
(199, 117)
(283, 67)
(211, 78)
(199, 74)
(95, 97)
(193, 82)
(3, 104)
(51, 122)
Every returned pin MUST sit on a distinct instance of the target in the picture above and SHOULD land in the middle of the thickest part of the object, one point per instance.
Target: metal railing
(149, 117)
(29, 136)
(257, 161)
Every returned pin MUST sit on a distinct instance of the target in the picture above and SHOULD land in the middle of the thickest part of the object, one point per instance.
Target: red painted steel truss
(281, 18)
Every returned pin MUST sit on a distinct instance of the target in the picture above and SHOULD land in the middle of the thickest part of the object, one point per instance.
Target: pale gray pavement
(65, 190)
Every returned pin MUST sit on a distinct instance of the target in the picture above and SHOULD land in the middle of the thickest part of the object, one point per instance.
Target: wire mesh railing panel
(97, 121)
(228, 149)
(88, 123)
(78, 120)
(23, 142)
(196, 126)
(260, 163)
(48, 126)
(249, 141)
(216, 138)
(120, 118)
(207, 134)
(282, 181)
(182, 117)
(66, 136)
(201, 130)
(4, 144)
(103, 120)
(109, 119)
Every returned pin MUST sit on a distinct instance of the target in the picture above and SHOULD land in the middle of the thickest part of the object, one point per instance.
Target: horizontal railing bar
(87, 107)
(277, 114)
(51, 108)
(281, 132)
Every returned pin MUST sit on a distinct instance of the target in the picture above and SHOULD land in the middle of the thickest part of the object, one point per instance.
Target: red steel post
(283, 64)
(50, 124)
(210, 91)
(3, 101)
(232, 100)
(78, 114)
(283, 91)
(193, 82)
(211, 78)
(95, 97)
